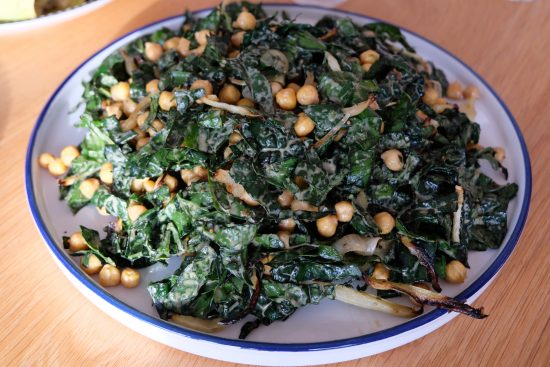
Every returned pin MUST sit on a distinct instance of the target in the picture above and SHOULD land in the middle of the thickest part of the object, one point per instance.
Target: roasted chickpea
(57, 167)
(166, 100)
(284, 237)
(439, 108)
(233, 54)
(171, 182)
(197, 174)
(128, 107)
(275, 87)
(234, 138)
(454, 90)
(229, 94)
(88, 187)
(142, 117)
(77, 242)
(237, 39)
(294, 86)
(127, 125)
(200, 172)
(118, 225)
(183, 46)
(326, 226)
(202, 36)
(45, 159)
(393, 159)
(68, 181)
(137, 185)
(152, 86)
(430, 96)
(114, 109)
(109, 276)
(245, 102)
(471, 92)
(199, 50)
(141, 142)
(385, 222)
(380, 272)
(301, 182)
(130, 278)
(106, 173)
(135, 211)
(153, 51)
(344, 211)
(90, 264)
(245, 21)
(148, 185)
(204, 84)
(285, 199)
(171, 43)
(69, 153)
(369, 57)
(455, 272)
(156, 126)
(120, 91)
(286, 99)
(188, 176)
(288, 225)
(500, 154)
(307, 95)
(366, 66)
(227, 152)
(304, 125)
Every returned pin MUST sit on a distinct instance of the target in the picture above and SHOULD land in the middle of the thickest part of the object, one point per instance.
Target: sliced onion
(298, 205)
(234, 188)
(348, 112)
(329, 34)
(361, 200)
(364, 246)
(332, 62)
(365, 300)
(426, 297)
(358, 108)
(310, 79)
(236, 81)
(238, 110)
(190, 322)
(280, 57)
(129, 63)
(458, 214)
(332, 132)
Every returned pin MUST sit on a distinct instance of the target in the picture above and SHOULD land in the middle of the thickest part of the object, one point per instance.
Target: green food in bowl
(285, 163)
(14, 10)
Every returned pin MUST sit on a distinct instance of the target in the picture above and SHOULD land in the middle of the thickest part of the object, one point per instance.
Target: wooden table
(45, 321)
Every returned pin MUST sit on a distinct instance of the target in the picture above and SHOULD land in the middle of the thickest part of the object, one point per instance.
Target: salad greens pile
(232, 165)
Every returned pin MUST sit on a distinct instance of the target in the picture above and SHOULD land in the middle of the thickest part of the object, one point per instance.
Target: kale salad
(283, 164)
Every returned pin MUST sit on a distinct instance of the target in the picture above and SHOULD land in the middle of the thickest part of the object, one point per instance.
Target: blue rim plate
(428, 321)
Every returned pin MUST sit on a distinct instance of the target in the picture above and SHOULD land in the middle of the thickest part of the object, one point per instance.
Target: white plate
(329, 332)
(51, 18)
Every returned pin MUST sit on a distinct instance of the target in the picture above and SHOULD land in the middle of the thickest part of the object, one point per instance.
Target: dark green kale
(226, 182)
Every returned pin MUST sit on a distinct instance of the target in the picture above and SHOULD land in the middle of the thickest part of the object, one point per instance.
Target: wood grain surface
(45, 321)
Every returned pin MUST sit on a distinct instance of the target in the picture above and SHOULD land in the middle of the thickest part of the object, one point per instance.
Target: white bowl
(51, 18)
(329, 332)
